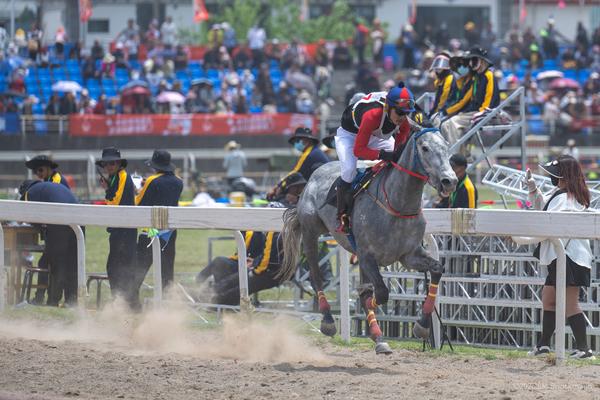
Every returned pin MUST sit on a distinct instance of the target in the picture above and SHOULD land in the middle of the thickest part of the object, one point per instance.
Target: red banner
(188, 124)
(85, 10)
(200, 12)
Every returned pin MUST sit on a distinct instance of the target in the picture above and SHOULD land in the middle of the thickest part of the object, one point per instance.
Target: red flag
(200, 12)
(85, 10)
(561, 4)
(413, 13)
(523, 14)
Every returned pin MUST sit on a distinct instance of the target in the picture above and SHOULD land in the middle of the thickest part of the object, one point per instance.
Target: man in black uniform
(45, 169)
(161, 189)
(262, 272)
(312, 157)
(119, 191)
(60, 242)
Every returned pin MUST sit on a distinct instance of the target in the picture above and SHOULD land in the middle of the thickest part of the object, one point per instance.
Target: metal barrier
(550, 225)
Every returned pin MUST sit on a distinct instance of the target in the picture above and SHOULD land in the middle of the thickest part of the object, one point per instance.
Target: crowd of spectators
(261, 74)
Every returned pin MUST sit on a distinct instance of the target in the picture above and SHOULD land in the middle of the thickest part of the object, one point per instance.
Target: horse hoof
(383, 348)
(328, 326)
(420, 331)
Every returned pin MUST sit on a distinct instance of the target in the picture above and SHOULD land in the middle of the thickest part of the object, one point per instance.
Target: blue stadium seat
(550, 64)
(108, 82)
(121, 81)
(584, 75)
(255, 109)
(212, 73)
(72, 64)
(121, 72)
(43, 72)
(95, 91)
(134, 64)
(274, 64)
(110, 91)
(38, 108)
(181, 75)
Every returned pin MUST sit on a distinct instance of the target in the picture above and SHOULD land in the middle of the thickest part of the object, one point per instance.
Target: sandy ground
(158, 357)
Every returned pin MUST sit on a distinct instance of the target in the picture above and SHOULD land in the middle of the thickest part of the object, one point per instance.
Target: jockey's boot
(344, 193)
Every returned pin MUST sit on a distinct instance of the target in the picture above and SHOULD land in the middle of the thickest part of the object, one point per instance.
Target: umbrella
(201, 81)
(136, 90)
(564, 83)
(66, 86)
(134, 83)
(549, 75)
(170, 97)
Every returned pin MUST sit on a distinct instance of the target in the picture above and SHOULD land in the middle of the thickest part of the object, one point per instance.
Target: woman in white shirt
(571, 194)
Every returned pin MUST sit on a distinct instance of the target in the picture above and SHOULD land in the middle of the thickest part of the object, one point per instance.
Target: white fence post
(433, 249)
(242, 271)
(2, 272)
(344, 294)
(561, 290)
(81, 275)
(157, 269)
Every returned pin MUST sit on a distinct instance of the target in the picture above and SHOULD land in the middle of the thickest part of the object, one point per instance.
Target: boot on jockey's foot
(343, 195)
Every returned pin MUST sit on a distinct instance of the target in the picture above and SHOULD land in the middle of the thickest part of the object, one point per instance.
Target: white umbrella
(170, 97)
(66, 86)
(549, 75)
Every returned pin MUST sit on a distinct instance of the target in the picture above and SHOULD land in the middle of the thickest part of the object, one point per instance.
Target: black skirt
(576, 275)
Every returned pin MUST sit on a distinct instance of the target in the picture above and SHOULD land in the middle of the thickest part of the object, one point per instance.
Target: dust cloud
(169, 329)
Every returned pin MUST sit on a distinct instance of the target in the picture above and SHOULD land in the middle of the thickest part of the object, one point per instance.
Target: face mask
(462, 70)
(299, 146)
(554, 180)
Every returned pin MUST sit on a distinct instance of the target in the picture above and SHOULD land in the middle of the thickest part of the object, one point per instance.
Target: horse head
(430, 156)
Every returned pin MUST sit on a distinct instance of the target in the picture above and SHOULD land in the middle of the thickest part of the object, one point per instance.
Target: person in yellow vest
(445, 82)
(465, 195)
(312, 157)
(45, 169)
(119, 191)
(163, 188)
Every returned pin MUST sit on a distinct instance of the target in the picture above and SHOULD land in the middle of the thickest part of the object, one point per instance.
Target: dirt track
(109, 361)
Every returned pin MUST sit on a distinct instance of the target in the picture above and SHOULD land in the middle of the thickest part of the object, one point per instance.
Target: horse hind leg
(310, 244)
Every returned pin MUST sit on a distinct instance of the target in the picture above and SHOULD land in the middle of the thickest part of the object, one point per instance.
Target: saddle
(359, 184)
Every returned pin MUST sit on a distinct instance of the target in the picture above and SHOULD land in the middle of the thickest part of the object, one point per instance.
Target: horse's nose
(449, 183)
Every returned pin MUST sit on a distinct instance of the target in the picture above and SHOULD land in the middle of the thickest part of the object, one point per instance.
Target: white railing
(551, 225)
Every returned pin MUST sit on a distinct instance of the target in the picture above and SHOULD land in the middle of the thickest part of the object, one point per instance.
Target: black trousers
(144, 261)
(61, 258)
(121, 260)
(220, 268)
(227, 290)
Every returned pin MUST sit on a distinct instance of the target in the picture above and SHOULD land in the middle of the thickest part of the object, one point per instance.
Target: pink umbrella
(564, 83)
(170, 97)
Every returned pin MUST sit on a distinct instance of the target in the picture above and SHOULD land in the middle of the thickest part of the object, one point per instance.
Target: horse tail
(292, 237)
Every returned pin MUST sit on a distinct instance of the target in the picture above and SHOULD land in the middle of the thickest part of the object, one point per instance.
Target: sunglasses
(39, 170)
(399, 111)
(107, 163)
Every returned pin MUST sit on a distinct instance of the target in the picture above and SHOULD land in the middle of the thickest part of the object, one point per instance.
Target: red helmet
(401, 99)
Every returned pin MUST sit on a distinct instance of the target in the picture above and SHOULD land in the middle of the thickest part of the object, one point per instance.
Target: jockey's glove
(387, 155)
(531, 185)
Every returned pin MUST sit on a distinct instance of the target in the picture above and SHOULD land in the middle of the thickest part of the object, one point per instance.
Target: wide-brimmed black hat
(293, 179)
(111, 154)
(41, 161)
(303, 133)
(161, 161)
(552, 168)
(478, 52)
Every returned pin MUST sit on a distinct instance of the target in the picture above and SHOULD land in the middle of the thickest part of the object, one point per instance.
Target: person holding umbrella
(45, 169)
(163, 188)
(119, 191)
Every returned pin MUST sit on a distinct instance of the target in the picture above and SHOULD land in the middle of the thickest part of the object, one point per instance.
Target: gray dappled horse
(387, 225)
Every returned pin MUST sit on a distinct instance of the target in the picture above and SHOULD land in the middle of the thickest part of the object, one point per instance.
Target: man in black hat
(45, 169)
(312, 157)
(161, 189)
(479, 94)
(119, 191)
(291, 189)
(60, 244)
(465, 195)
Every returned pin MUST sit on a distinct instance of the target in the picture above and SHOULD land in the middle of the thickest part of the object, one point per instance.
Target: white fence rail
(550, 225)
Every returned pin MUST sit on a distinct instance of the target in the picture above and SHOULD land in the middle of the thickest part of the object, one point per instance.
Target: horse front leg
(422, 261)
(310, 244)
(373, 293)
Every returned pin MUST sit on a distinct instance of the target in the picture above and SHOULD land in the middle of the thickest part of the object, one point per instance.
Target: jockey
(445, 82)
(375, 127)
